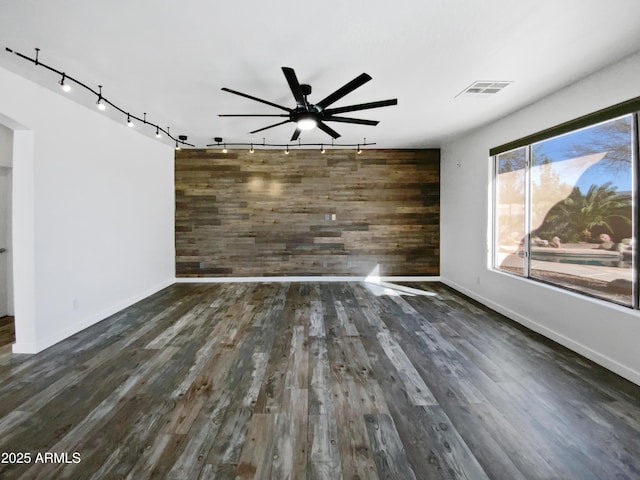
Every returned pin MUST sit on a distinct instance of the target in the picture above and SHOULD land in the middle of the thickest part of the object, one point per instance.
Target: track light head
(129, 122)
(101, 106)
(224, 148)
(65, 86)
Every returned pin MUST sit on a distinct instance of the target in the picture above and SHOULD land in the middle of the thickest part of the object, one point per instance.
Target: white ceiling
(170, 58)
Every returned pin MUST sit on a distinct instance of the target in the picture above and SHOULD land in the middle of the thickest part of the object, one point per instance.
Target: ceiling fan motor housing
(301, 113)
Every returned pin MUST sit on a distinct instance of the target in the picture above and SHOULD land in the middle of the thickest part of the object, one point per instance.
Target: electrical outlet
(201, 265)
(324, 263)
(333, 216)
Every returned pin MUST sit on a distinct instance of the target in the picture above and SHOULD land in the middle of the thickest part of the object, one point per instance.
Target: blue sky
(578, 143)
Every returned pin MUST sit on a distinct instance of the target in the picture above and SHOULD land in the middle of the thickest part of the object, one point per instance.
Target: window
(510, 195)
(564, 210)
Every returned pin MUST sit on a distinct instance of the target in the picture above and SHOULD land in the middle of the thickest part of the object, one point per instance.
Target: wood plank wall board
(267, 213)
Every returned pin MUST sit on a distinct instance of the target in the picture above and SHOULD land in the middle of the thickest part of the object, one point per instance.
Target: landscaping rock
(606, 245)
(538, 242)
(603, 237)
(555, 242)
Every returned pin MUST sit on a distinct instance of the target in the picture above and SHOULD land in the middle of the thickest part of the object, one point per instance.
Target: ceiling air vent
(483, 88)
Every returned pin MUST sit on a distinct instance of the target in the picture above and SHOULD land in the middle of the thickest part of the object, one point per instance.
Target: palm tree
(578, 212)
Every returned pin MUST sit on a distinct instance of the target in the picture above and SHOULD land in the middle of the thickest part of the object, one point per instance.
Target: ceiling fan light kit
(307, 122)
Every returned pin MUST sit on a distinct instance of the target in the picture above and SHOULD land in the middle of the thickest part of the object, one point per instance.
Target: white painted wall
(608, 334)
(92, 214)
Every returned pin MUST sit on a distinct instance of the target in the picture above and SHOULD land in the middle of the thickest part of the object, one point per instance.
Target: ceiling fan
(308, 115)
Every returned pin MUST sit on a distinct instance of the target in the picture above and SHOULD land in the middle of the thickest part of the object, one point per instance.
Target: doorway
(17, 158)
(7, 323)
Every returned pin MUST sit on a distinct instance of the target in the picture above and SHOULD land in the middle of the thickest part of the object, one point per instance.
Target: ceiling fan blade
(266, 102)
(295, 135)
(344, 90)
(270, 126)
(361, 106)
(294, 85)
(252, 115)
(359, 121)
(328, 130)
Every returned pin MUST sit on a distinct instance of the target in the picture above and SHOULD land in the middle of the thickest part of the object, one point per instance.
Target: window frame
(631, 107)
(624, 108)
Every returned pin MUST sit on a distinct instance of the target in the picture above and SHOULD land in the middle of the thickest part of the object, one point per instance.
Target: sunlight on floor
(377, 287)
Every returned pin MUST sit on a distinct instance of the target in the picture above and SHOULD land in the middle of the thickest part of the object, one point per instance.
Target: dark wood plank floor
(313, 381)
(7, 331)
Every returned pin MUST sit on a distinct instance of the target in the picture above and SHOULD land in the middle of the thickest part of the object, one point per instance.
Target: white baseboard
(583, 350)
(305, 279)
(44, 343)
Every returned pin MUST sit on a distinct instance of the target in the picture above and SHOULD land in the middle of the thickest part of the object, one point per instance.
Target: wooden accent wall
(241, 214)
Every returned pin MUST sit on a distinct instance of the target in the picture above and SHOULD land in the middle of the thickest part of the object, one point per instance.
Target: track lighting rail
(101, 100)
(220, 143)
